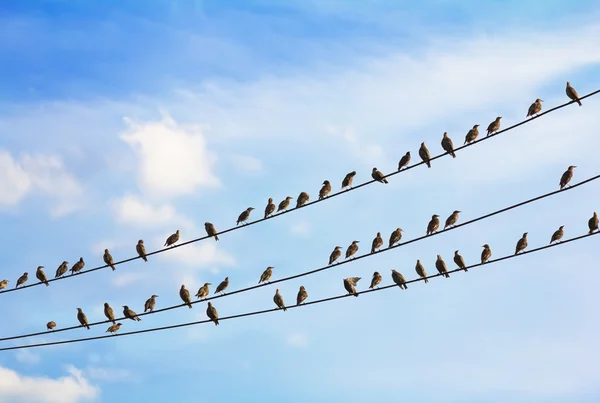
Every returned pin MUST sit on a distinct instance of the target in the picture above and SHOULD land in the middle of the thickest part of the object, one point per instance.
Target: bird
(302, 295)
(82, 318)
(450, 221)
(78, 266)
(352, 249)
(185, 296)
(41, 275)
(424, 154)
(244, 215)
(472, 135)
(421, 271)
(325, 189)
(62, 269)
(350, 283)
(270, 208)
(398, 278)
(460, 262)
(433, 225)
(378, 176)
(212, 313)
(337, 252)
(108, 259)
(203, 291)
(375, 280)
(395, 236)
(278, 299)
(494, 126)
(113, 328)
(210, 230)
(571, 93)
(50, 325)
(486, 253)
(284, 204)
(592, 223)
(141, 250)
(558, 234)
(535, 108)
(404, 161)
(172, 239)
(3, 284)
(521, 244)
(303, 197)
(130, 314)
(440, 265)
(447, 145)
(377, 243)
(266, 275)
(108, 312)
(22, 279)
(347, 181)
(150, 302)
(222, 286)
(566, 176)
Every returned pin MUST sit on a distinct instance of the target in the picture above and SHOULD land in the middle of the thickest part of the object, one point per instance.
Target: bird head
(270, 267)
(118, 324)
(423, 144)
(457, 211)
(209, 305)
(445, 134)
(499, 117)
(208, 284)
(475, 126)
(352, 173)
(434, 216)
(399, 229)
(105, 250)
(302, 288)
(326, 182)
(125, 306)
(289, 198)
(226, 279)
(456, 252)
(376, 274)
(379, 234)
(183, 286)
(525, 235)
(106, 304)
(270, 200)
(339, 247)
(439, 257)
(355, 241)
(539, 100)
(568, 83)
(79, 309)
(277, 291)
(81, 259)
(141, 241)
(154, 296)
(40, 267)
(571, 167)
(250, 208)
(408, 153)
(561, 227)
(486, 246)
(25, 273)
(177, 232)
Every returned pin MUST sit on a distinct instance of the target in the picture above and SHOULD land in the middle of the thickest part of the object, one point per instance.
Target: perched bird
(395, 236)
(278, 299)
(211, 231)
(270, 208)
(398, 278)
(375, 280)
(558, 234)
(108, 259)
(571, 93)
(113, 328)
(78, 266)
(82, 318)
(352, 249)
(378, 176)
(424, 154)
(302, 295)
(350, 284)
(3, 284)
(62, 269)
(266, 275)
(472, 135)
(535, 108)
(50, 325)
(22, 280)
(108, 312)
(284, 204)
(592, 223)
(222, 286)
(404, 161)
(521, 244)
(567, 176)
(421, 271)
(447, 145)
(325, 189)
(433, 225)
(377, 243)
(460, 262)
(494, 126)
(302, 199)
(486, 253)
(450, 221)
(212, 313)
(172, 239)
(41, 275)
(244, 216)
(141, 250)
(337, 252)
(347, 182)
(150, 303)
(185, 296)
(440, 265)
(130, 314)
(203, 291)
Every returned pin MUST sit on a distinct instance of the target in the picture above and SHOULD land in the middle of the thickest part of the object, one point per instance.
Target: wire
(156, 329)
(323, 267)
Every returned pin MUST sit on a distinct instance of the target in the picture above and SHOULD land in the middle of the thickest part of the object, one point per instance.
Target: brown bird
(421, 271)
(22, 280)
(472, 135)
(211, 231)
(172, 239)
(398, 278)
(521, 244)
(440, 265)
(302, 295)
(150, 303)
(486, 253)
(337, 252)
(460, 262)
(450, 221)
(302, 199)
(592, 223)
(78, 266)
(494, 126)
(270, 208)
(62, 269)
(377, 243)
(141, 250)
(378, 176)
(244, 216)
(558, 234)
(433, 225)
(41, 275)
(113, 328)
(184, 294)
(350, 283)
(108, 259)
(395, 236)
(325, 189)
(266, 275)
(352, 249)
(50, 325)
(375, 280)
(567, 176)
(3, 284)
(203, 291)
(82, 318)
(284, 204)
(108, 312)
(447, 145)
(212, 314)
(424, 154)
(404, 161)
(571, 93)
(535, 108)
(130, 314)
(222, 286)
(278, 299)
(347, 182)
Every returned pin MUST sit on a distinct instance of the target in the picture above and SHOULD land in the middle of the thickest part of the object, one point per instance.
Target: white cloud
(132, 210)
(246, 163)
(300, 228)
(14, 181)
(198, 254)
(27, 357)
(298, 339)
(108, 374)
(125, 279)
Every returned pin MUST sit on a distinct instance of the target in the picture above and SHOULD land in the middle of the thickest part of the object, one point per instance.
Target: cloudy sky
(128, 120)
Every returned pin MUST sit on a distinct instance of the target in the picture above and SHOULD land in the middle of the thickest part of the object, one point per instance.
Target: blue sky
(128, 121)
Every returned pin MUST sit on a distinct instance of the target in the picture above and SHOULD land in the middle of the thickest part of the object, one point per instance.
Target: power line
(323, 268)
(69, 341)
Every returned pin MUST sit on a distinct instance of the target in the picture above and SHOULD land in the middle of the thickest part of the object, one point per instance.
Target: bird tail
(385, 180)
(216, 237)
(446, 275)
(112, 266)
(578, 101)
(428, 164)
(405, 286)
(356, 294)
(453, 155)
(144, 257)
(284, 308)
(138, 319)
(216, 322)
(465, 269)
(426, 281)
(88, 327)
(189, 305)
(47, 284)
